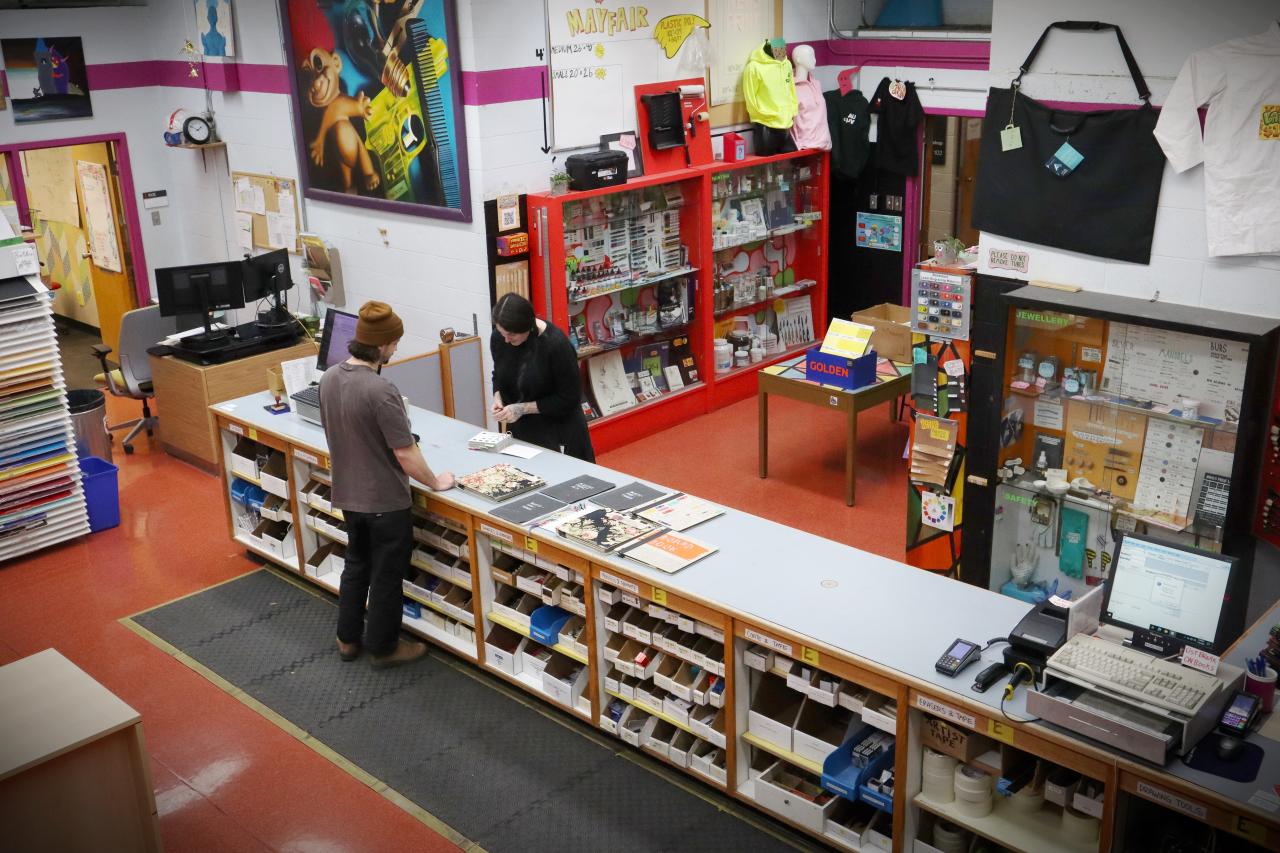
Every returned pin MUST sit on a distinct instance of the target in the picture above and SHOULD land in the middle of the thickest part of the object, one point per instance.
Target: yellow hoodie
(769, 90)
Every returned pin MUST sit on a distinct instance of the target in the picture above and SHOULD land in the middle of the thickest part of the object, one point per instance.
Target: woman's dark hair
(514, 313)
(365, 352)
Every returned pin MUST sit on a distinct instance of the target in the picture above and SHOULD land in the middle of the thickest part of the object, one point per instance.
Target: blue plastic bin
(101, 492)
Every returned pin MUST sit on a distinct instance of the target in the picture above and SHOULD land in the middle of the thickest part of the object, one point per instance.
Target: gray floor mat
(448, 741)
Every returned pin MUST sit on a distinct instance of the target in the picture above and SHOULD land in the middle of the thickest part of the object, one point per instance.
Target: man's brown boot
(406, 651)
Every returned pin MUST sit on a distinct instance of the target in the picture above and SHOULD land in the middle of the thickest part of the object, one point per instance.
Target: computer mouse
(1229, 748)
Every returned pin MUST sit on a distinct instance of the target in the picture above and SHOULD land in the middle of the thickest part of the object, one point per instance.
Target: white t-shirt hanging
(1240, 148)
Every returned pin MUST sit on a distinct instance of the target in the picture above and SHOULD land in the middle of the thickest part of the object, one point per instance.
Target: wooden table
(74, 772)
(787, 379)
(184, 392)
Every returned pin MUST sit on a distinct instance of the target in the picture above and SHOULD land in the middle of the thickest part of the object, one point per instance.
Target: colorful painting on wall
(215, 26)
(378, 104)
(47, 78)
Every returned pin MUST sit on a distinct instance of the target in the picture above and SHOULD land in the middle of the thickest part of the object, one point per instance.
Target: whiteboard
(598, 54)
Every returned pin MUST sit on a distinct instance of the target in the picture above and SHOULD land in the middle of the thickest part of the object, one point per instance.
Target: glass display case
(1118, 415)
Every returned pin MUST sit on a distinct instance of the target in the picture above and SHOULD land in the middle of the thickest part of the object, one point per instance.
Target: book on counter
(528, 508)
(669, 552)
(500, 482)
(489, 440)
(681, 512)
(577, 489)
(605, 530)
(628, 497)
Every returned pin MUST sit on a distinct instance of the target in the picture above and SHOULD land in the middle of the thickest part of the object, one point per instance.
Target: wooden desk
(74, 772)
(787, 379)
(184, 392)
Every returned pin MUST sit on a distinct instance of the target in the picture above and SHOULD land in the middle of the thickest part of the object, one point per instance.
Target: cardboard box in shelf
(709, 760)
(563, 680)
(277, 538)
(711, 632)
(550, 591)
(759, 658)
(881, 712)
(613, 680)
(572, 598)
(636, 658)
(515, 605)
(708, 724)
(852, 696)
(613, 647)
(614, 615)
(530, 579)
(451, 542)
(773, 712)
(879, 833)
(572, 634)
(892, 324)
(318, 563)
(1088, 798)
(534, 657)
(650, 694)
(503, 567)
(639, 625)
(819, 686)
(244, 458)
(795, 795)
(608, 595)
(627, 685)
(708, 653)
(676, 708)
(273, 477)
(612, 712)
(458, 603)
(820, 730)
(961, 744)
(681, 745)
(502, 648)
(847, 822)
(337, 557)
(635, 726)
(318, 495)
(276, 508)
(659, 741)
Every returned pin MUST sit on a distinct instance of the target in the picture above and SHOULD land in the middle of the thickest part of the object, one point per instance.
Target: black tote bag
(1106, 205)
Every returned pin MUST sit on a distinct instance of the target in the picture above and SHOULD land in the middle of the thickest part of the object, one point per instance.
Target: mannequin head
(802, 57)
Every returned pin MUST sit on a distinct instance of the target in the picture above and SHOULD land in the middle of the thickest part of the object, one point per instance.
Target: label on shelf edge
(253, 434)
(531, 544)
(236, 428)
(810, 656)
(938, 709)
(609, 577)
(1000, 731)
(659, 596)
(497, 534)
(305, 456)
(768, 642)
(1172, 800)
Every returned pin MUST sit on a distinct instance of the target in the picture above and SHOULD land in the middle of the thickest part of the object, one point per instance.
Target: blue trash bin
(101, 492)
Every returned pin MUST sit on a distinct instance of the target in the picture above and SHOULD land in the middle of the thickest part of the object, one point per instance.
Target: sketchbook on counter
(604, 530)
(500, 482)
(681, 512)
(670, 552)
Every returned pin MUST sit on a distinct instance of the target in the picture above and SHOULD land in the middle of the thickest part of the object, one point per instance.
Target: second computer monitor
(339, 330)
(1170, 596)
(199, 288)
(265, 274)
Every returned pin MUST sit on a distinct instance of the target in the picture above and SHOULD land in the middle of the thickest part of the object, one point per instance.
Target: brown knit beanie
(378, 324)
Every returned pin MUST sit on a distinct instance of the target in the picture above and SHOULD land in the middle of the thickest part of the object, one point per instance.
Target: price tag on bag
(1011, 138)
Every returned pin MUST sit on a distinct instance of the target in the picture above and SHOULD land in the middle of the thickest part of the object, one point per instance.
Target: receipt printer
(1040, 633)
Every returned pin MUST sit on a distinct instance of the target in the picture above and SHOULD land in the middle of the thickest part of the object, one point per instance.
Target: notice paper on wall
(100, 219)
(244, 232)
(297, 374)
(1163, 366)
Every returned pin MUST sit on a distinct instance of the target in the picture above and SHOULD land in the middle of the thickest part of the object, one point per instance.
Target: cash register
(1124, 686)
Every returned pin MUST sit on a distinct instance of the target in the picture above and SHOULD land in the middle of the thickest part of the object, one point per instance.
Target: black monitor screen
(339, 329)
(264, 272)
(1173, 592)
(198, 288)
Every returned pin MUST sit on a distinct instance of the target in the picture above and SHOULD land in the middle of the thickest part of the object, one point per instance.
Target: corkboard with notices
(267, 212)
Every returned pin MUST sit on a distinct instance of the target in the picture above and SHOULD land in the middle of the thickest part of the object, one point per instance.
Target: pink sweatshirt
(810, 127)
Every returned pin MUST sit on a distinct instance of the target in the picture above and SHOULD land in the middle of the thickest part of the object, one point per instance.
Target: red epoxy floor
(226, 778)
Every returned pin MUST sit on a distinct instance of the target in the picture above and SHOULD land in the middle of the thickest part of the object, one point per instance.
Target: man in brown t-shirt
(373, 455)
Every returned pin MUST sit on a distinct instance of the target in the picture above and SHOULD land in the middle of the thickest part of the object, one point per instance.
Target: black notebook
(629, 496)
(528, 508)
(577, 489)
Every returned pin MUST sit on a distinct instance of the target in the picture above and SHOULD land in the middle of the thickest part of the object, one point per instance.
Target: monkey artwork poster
(378, 104)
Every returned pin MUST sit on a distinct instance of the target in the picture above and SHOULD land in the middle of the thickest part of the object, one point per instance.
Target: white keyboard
(1122, 670)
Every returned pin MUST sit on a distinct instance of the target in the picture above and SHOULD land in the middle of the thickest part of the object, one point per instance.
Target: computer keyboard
(309, 396)
(1123, 670)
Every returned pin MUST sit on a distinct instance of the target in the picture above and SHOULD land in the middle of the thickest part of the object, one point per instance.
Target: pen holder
(1263, 686)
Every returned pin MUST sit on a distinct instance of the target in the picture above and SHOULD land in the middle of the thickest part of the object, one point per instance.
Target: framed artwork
(215, 27)
(377, 101)
(627, 144)
(47, 79)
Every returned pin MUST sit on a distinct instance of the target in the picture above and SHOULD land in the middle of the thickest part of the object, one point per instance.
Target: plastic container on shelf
(101, 492)
(723, 355)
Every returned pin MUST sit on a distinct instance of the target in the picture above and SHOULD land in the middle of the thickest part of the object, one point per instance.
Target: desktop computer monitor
(339, 329)
(266, 276)
(200, 289)
(1170, 596)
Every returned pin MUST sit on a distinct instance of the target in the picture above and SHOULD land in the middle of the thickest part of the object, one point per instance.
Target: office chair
(140, 329)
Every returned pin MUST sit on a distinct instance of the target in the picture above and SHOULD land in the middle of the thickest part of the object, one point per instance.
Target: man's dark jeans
(379, 547)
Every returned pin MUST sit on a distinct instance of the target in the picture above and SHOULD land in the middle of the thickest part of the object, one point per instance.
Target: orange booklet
(670, 552)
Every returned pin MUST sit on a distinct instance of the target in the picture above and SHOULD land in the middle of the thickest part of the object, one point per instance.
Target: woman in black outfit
(537, 389)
